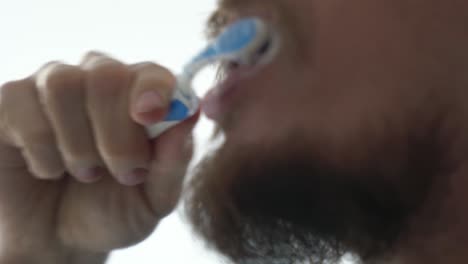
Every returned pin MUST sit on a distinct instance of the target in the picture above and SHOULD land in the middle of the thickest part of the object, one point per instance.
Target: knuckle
(117, 155)
(153, 82)
(43, 73)
(156, 75)
(39, 135)
(107, 67)
(60, 79)
(8, 86)
(80, 161)
(12, 89)
(74, 153)
(151, 66)
(108, 73)
(12, 95)
(44, 161)
(121, 153)
(92, 55)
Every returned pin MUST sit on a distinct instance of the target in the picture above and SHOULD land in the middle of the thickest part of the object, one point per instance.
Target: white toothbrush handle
(182, 107)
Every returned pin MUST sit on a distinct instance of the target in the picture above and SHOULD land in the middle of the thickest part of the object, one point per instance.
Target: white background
(165, 31)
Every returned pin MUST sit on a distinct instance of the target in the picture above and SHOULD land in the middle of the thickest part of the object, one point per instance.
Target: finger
(30, 129)
(61, 90)
(91, 56)
(173, 151)
(151, 93)
(122, 143)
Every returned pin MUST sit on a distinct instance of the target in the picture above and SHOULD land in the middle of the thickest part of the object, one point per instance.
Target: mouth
(235, 73)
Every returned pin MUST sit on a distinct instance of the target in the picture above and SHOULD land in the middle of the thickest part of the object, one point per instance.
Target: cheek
(367, 55)
(357, 90)
(367, 78)
(276, 104)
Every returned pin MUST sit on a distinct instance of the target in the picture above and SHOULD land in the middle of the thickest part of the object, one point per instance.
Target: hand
(77, 170)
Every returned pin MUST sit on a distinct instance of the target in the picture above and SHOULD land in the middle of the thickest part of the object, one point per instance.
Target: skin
(372, 94)
(67, 171)
(368, 74)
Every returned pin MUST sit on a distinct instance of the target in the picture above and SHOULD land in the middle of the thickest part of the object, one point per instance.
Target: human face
(335, 145)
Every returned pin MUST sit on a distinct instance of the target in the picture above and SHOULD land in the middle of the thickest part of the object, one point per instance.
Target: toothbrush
(242, 43)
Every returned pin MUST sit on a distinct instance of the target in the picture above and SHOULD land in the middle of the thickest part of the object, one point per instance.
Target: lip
(220, 99)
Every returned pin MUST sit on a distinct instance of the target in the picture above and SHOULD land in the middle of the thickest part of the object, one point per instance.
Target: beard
(286, 203)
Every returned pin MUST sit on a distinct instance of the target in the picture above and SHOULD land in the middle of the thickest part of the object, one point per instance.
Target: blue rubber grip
(178, 111)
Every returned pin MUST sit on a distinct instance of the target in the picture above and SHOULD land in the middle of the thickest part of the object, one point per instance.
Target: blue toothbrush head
(243, 42)
(241, 37)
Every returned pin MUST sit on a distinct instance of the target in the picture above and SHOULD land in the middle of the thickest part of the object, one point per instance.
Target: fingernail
(90, 175)
(149, 101)
(135, 177)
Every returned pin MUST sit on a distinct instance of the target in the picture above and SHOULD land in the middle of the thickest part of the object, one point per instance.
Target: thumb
(173, 151)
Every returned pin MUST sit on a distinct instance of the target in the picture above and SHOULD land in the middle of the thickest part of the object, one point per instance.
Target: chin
(284, 203)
